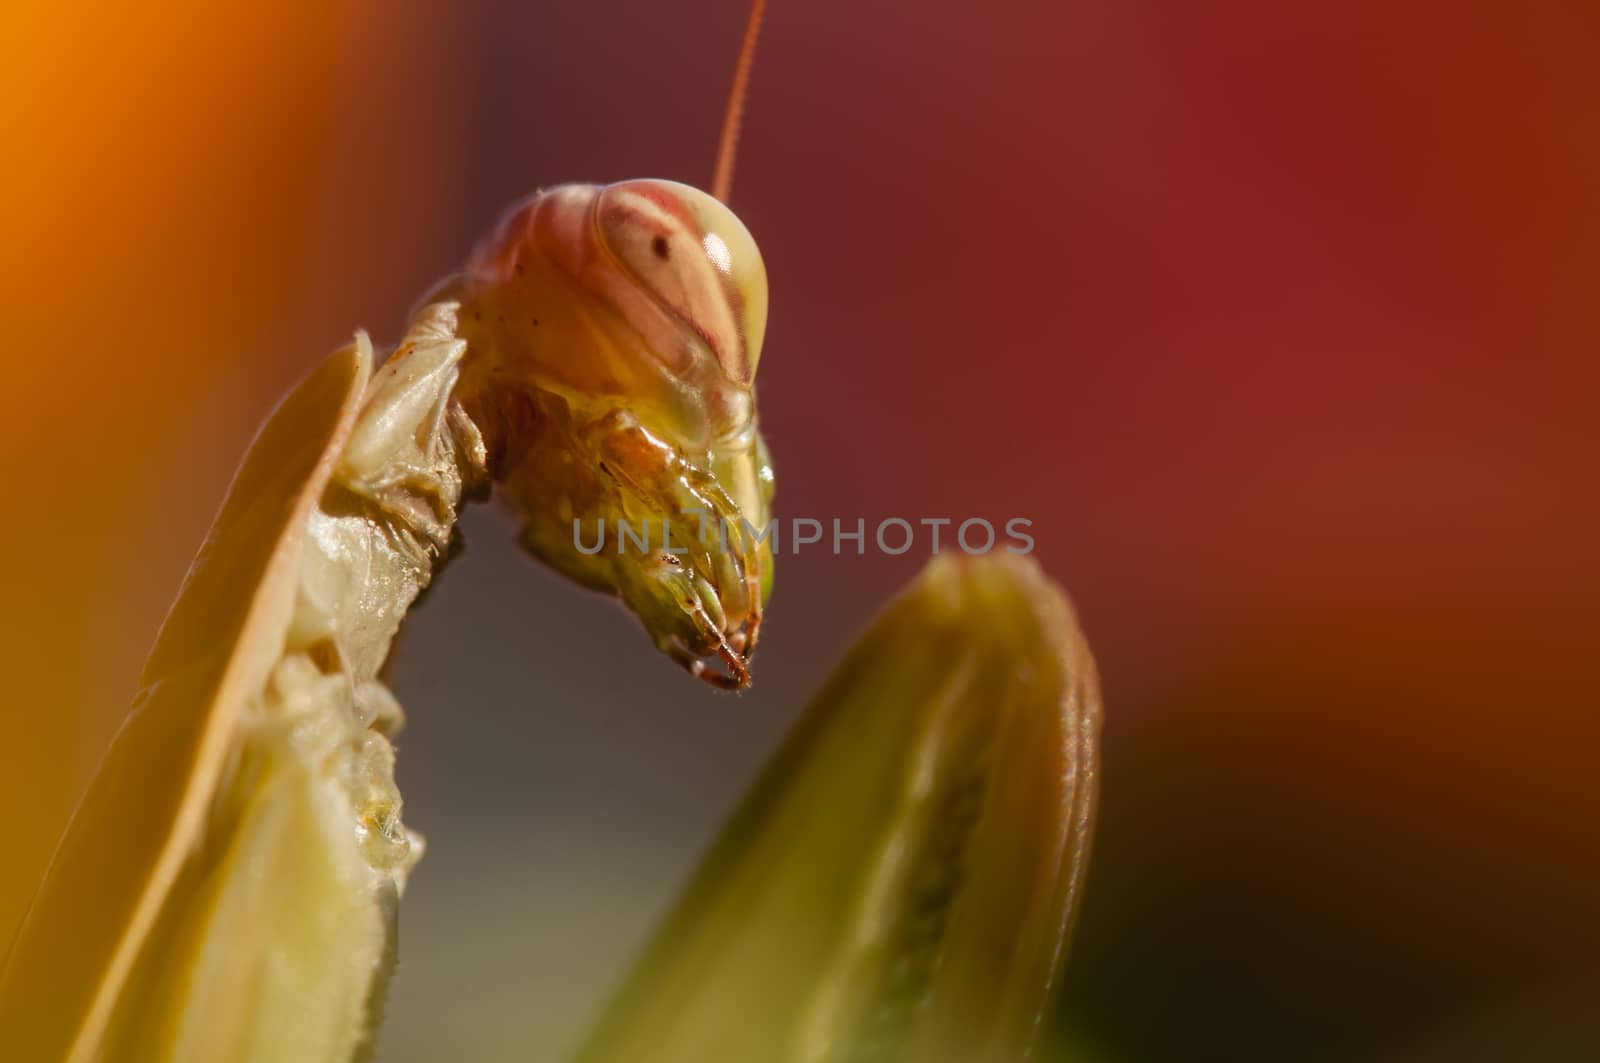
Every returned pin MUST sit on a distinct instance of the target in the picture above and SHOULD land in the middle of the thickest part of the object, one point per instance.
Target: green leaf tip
(901, 881)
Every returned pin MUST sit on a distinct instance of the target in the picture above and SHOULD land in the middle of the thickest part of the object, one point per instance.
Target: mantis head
(613, 335)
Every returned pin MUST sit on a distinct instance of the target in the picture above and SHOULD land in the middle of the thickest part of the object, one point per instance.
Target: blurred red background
(1277, 321)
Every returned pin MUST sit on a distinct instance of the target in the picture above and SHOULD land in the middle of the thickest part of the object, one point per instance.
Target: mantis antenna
(722, 181)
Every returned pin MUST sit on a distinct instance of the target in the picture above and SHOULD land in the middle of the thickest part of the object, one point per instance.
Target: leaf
(900, 883)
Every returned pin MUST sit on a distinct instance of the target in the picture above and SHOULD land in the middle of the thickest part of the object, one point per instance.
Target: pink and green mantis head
(613, 334)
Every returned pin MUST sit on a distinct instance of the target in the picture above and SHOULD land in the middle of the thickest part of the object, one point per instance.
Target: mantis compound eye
(696, 259)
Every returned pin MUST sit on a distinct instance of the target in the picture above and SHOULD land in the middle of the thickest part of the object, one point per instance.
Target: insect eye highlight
(696, 258)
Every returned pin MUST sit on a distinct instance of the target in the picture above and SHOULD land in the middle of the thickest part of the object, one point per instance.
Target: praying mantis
(240, 855)
(595, 359)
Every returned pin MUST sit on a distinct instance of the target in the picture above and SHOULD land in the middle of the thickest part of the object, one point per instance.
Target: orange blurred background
(1277, 320)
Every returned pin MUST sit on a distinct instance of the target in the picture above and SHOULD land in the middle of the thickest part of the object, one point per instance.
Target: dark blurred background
(1277, 320)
